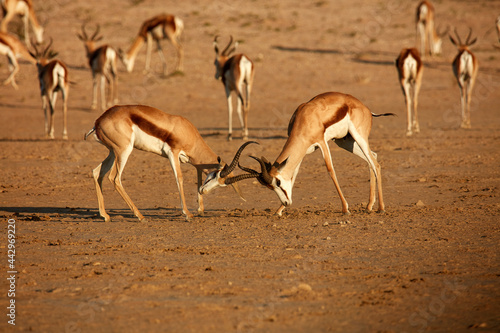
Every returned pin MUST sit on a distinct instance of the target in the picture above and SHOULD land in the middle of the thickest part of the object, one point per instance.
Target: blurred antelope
(426, 32)
(329, 116)
(410, 69)
(465, 67)
(23, 8)
(13, 48)
(123, 128)
(497, 24)
(53, 77)
(235, 71)
(102, 62)
(157, 28)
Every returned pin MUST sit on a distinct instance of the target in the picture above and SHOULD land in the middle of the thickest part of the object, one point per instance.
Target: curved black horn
(235, 179)
(468, 36)
(458, 37)
(44, 53)
(84, 33)
(97, 29)
(264, 174)
(224, 52)
(229, 168)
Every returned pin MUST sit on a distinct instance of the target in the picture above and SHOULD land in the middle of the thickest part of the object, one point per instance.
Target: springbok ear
(473, 41)
(282, 165)
(218, 159)
(453, 41)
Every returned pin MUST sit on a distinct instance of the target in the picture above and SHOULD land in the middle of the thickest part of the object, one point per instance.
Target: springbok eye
(278, 182)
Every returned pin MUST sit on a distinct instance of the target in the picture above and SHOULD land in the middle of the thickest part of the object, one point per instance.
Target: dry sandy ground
(430, 263)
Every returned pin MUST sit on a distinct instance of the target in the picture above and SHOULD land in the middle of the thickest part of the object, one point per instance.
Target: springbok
(23, 8)
(465, 67)
(160, 27)
(235, 71)
(53, 77)
(102, 62)
(430, 41)
(410, 69)
(13, 48)
(328, 116)
(125, 127)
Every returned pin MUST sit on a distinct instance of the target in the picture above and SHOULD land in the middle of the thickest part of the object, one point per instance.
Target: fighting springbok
(328, 116)
(125, 127)
(13, 48)
(102, 62)
(23, 8)
(410, 69)
(235, 72)
(53, 77)
(429, 40)
(160, 27)
(465, 67)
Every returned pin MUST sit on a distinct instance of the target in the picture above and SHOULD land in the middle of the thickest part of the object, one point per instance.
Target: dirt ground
(430, 263)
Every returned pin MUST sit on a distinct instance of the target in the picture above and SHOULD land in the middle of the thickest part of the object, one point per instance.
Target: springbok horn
(229, 168)
(468, 37)
(224, 52)
(235, 179)
(84, 33)
(98, 28)
(44, 53)
(458, 37)
(264, 172)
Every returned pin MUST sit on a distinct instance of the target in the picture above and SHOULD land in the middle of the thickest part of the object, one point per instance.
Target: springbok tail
(383, 114)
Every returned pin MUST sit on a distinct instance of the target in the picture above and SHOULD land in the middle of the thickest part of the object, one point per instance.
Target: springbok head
(90, 41)
(43, 55)
(221, 57)
(223, 175)
(458, 42)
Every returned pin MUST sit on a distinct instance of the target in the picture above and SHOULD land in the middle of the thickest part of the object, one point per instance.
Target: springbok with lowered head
(236, 73)
(429, 39)
(13, 48)
(53, 77)
(23, 8)
(157, 28)
(125, 127)
(465, 67)
(102, 62)
(328, 116)
(410, 68)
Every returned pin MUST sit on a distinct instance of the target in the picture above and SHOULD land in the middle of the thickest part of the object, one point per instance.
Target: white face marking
(283, 188)
(211, 182)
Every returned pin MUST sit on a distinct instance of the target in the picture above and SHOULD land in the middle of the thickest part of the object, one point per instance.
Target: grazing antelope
(329, 116)
(102, 62)
(426, 32)
(410, 69)
(53, 77)
(23, 8)
(157, 28)
(465, 67)
(235, 71)
(125, 127)
(13, 49)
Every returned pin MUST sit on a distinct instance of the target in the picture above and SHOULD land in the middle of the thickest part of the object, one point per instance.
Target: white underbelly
(146, 142)
(337, 130)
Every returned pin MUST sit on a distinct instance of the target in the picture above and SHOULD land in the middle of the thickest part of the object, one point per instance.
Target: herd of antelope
(328, 116)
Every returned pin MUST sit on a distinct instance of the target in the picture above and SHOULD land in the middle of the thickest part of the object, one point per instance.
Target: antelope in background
(102, 62)
(235, 71)
(53, 77)
(23, 8)
(465, 67)
(160, 27)
(410, 69)
(329, 116)
(427, 36)
(13, 48)
(123, 128)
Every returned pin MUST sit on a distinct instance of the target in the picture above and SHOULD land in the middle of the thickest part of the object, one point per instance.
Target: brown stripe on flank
(153, 130)
(337, 116)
